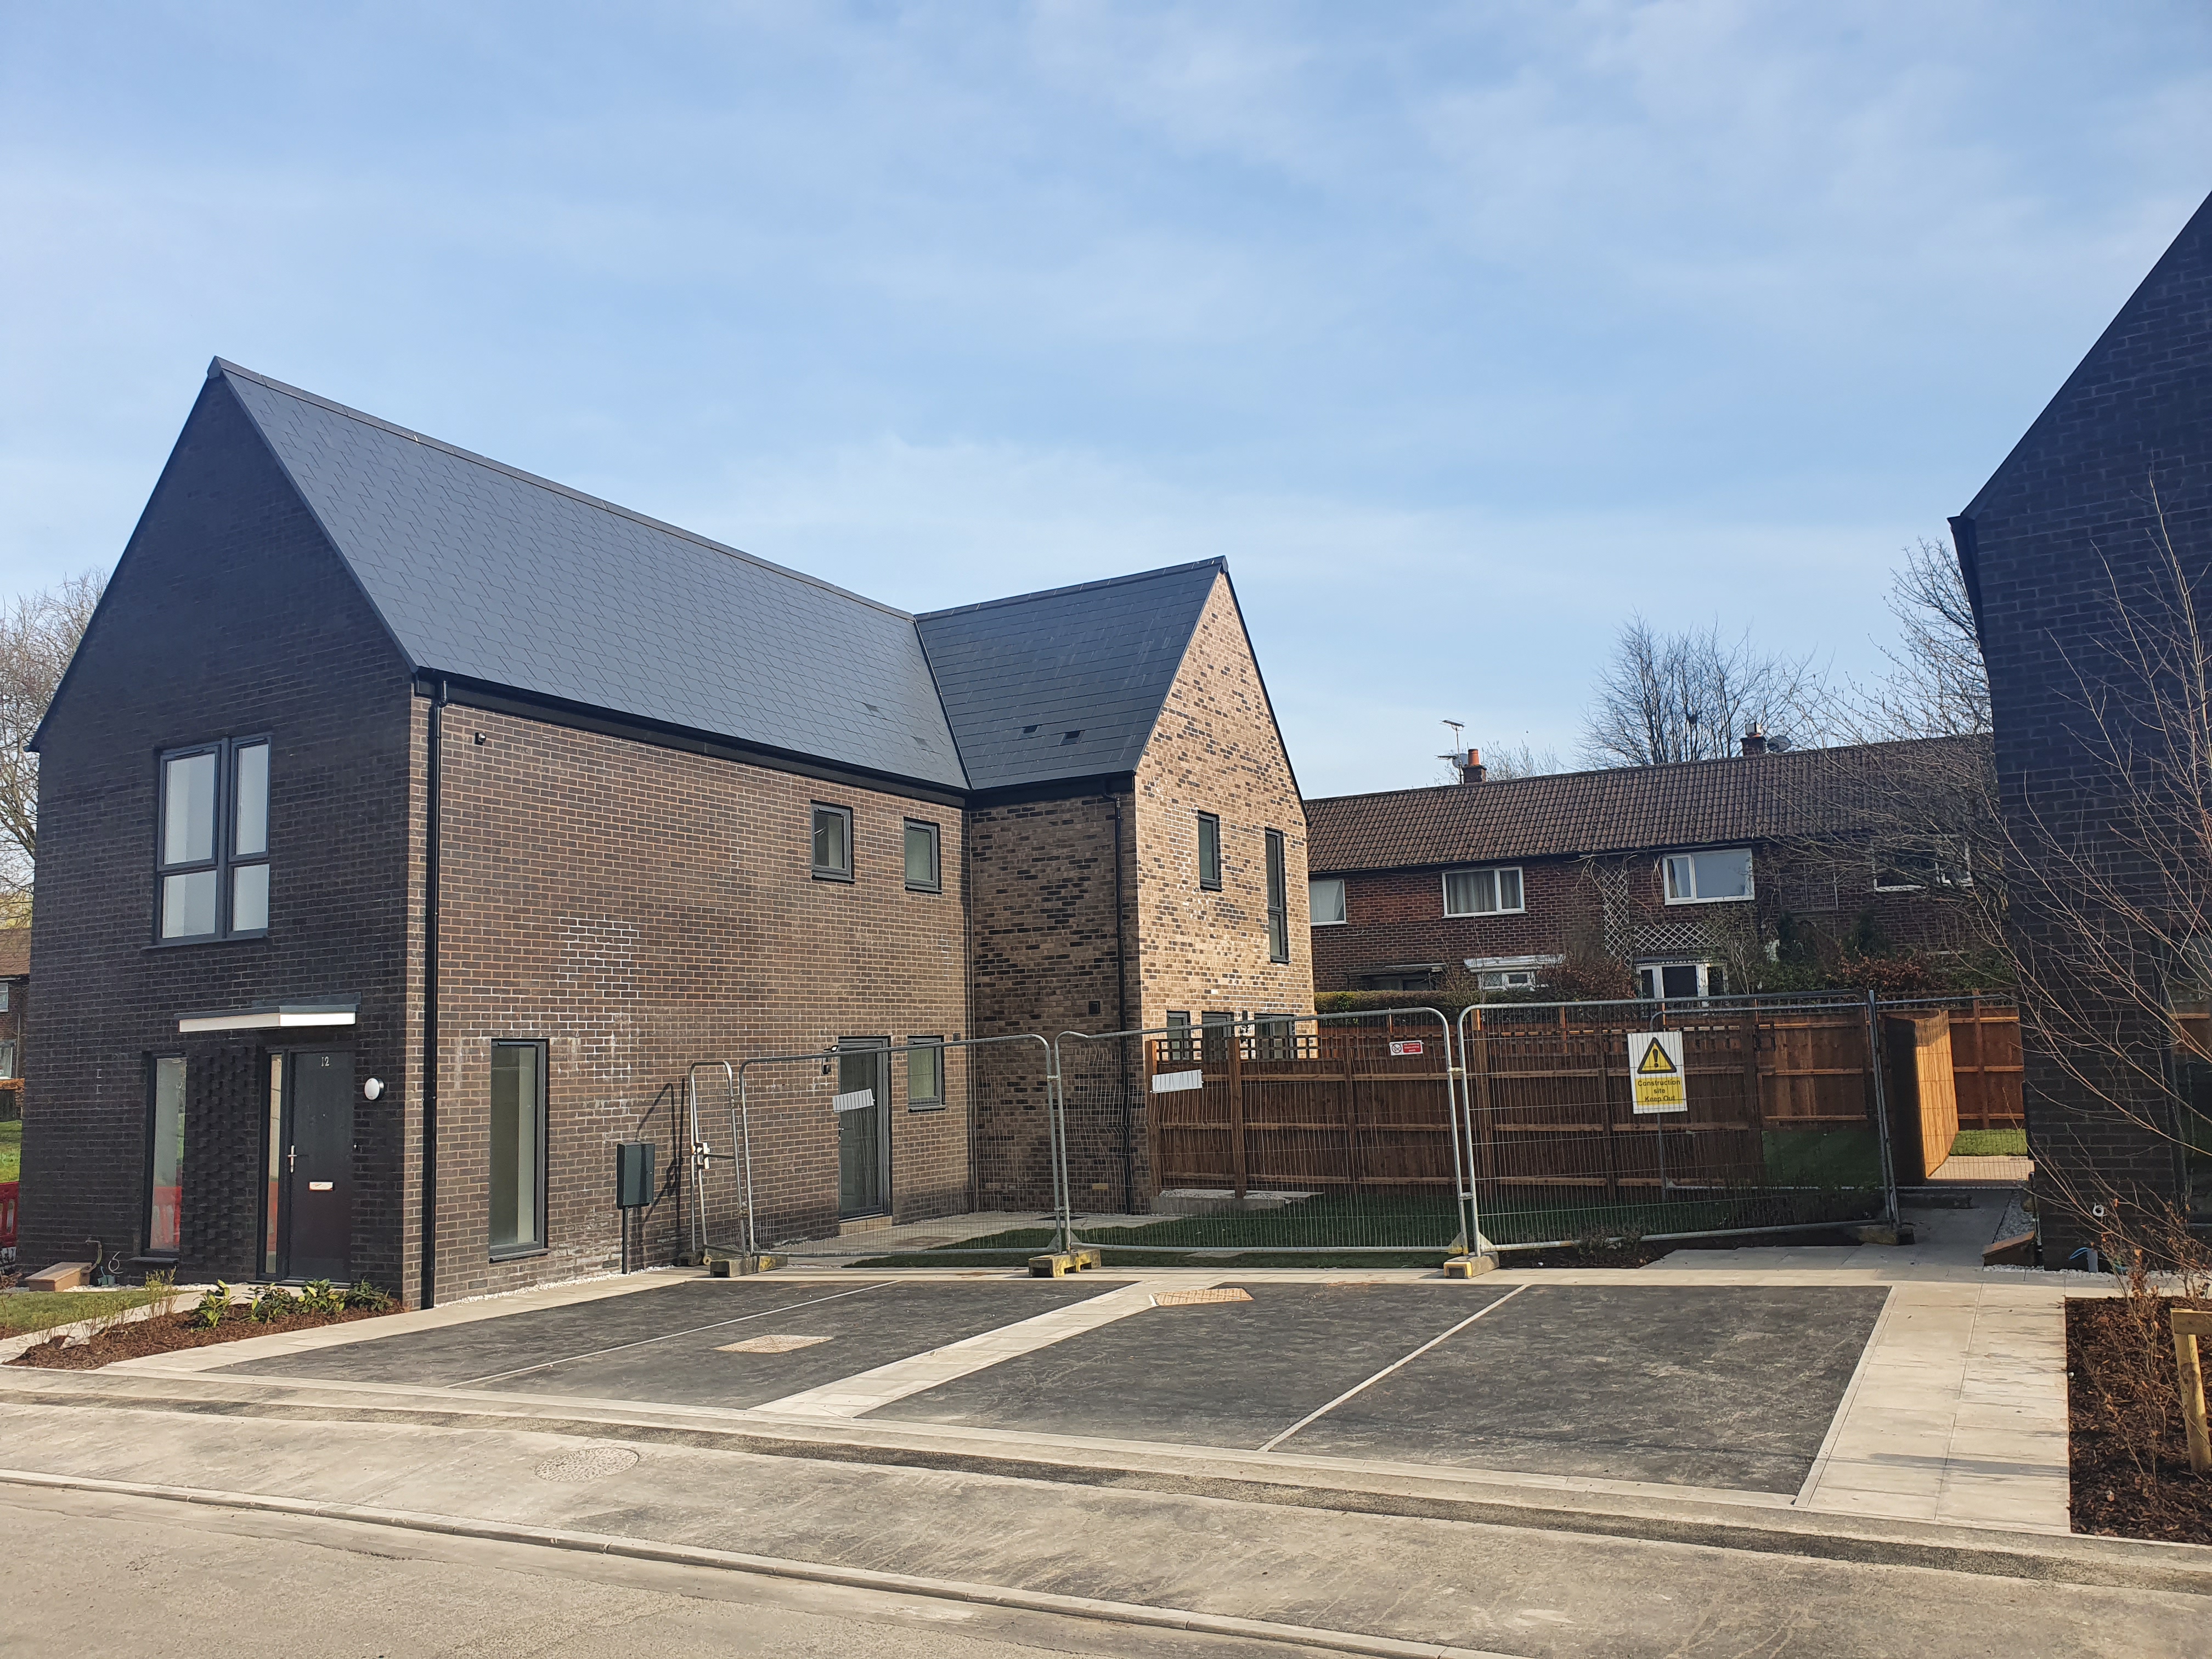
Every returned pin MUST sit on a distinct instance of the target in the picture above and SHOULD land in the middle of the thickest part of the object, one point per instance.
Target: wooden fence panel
(1986, 1067)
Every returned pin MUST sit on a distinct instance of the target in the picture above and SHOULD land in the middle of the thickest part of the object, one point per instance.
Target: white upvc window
(1482, 892)
(1325, 900)
(1716, 878)
(1676, 981)
(1508, 979)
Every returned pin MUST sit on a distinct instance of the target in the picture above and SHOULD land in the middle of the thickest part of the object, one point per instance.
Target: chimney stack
(1754, 741)
(1471, 769)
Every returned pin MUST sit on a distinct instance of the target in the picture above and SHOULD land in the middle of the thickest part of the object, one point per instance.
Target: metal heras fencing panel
(1277, 1136)
(1779, 1123)
(840, 1153)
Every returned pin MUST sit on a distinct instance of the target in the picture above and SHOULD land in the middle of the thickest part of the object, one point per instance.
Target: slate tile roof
(1065, 683)
(486, 573)
(1802, 792)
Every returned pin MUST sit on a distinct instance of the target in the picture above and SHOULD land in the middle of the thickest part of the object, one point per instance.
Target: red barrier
(7, 1213)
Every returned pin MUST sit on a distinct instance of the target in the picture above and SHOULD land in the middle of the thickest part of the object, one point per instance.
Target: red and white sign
(1411, 1047)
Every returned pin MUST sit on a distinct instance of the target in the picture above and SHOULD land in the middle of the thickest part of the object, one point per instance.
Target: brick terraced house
(410, 825)
(2074, 555)
(1681, 873)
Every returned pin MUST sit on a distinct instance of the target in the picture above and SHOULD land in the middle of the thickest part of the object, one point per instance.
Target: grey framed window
(925, 1074)
(1209, 850)
(212, 841)
(1279, 901)
(1325, 902)
(1716, 878)
(1274, 1038)
(922, 872)
(833, 842)
(165, 1155)
(1178, 1044)
(518, 1148)
(1482, 892)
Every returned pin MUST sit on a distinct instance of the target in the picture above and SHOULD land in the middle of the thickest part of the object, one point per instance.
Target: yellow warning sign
(1654, 1072)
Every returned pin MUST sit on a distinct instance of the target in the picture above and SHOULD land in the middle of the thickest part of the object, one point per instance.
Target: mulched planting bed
(167, 1334)
(2128, 1451)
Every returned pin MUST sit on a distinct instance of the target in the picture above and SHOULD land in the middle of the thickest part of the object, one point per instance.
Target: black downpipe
(1122, 1021)
(428, 1297)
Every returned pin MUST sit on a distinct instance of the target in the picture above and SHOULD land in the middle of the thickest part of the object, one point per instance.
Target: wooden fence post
(2189, 1324)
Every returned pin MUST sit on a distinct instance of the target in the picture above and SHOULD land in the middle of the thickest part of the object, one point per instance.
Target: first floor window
(925, 1074)
(1209, 850)
(165, 1201)
(833, 842)
(214, 840)
(1482, 892)
(1279, 901)
(921, 869)
(1708, 878)
(518, 1147)
(1325, 902)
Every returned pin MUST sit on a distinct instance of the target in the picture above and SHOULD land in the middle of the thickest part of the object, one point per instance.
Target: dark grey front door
(864, 1182)
(318, 1166)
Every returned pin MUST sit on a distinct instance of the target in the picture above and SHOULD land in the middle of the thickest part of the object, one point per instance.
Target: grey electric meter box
(633, 1175)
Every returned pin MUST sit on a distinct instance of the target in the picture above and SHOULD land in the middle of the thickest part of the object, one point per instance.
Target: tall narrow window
(272, 1191)
(922, 870)
(518, 1148)
(833, 843)
(165, 1174)
(1178, 1045)
(925, 1074)
(1209, 850)
(1279, 901)
(214, 841)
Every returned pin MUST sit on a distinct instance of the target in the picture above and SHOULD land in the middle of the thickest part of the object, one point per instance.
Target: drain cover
(1191, 1298)
(770, 1344)
(587, 1463)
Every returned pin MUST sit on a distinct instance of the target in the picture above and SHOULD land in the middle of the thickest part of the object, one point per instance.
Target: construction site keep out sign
(1654, 1072)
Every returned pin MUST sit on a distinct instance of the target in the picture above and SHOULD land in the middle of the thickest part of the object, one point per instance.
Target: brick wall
(229, 615)
(2073, 516)
(1216, 749)
(638, 909)
(1398, 915)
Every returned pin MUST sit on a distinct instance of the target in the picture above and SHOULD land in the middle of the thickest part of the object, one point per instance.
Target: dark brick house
(2074, 554)
(1682, 874)
(410, 825)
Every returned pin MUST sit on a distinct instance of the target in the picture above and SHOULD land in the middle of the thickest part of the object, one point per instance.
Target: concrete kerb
(1078, 1606)
(1761, 1523)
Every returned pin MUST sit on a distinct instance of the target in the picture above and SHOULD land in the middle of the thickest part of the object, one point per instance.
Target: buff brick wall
(638, 909)
(1216, 749)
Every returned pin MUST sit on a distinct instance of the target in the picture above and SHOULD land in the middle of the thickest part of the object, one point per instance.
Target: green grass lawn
(11, 1149)
(1991, 1143)
(40, 1310)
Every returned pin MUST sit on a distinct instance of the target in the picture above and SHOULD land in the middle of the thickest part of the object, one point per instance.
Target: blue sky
(1462, 330)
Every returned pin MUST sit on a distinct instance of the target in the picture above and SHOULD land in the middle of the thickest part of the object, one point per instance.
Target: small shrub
(213, 1304)
(365, 1298)
(161, 1291)
(318, 1297)
(272, 1303)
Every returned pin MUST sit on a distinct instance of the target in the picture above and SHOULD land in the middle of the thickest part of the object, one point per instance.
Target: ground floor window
(273, 1194)
(1509, 979)
(925, 1074)
(1674, 980)
(518, 1148)
(165, 1198)
(1178, 1044)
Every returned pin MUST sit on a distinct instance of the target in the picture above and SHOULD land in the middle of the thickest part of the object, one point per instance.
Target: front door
(317, 1167)
(864, 1182)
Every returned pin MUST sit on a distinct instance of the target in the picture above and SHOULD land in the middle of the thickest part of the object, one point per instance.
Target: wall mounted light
(373, 1088)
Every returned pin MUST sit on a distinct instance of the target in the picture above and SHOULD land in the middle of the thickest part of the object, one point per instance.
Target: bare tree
(1692, 695)
(1521, 759)
(1936, 686)
(39, 634)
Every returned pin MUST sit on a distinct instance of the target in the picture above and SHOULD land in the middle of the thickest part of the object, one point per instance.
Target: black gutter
(428, 1293)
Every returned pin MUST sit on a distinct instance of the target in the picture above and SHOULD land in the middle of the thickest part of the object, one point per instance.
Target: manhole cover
(587, 1463)
(1191, 1298)
(770, 1344)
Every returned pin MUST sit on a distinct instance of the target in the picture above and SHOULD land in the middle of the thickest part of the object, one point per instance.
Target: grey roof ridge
(1216, 562)
(937, 690)
(1657, 766)
(226, 367)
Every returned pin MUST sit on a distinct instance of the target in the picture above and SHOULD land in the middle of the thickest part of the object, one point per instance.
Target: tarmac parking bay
(1710, 1386)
